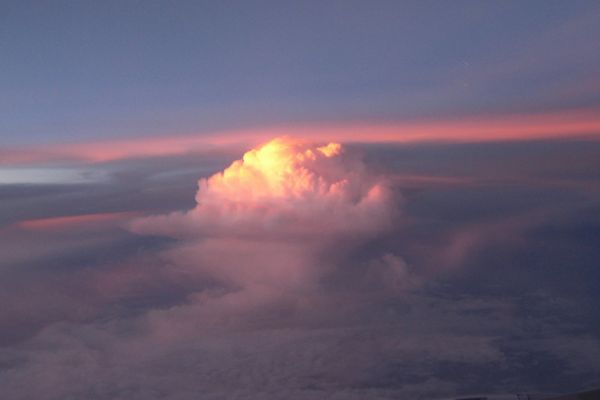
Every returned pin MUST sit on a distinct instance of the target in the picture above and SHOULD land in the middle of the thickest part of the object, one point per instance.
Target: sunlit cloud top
(287, 186)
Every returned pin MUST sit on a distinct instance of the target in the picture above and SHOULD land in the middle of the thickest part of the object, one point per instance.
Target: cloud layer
(301, 273)
(582, 124)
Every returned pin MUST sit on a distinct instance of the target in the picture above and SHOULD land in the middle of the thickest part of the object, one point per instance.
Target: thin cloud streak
(583, 125)
(85, 221)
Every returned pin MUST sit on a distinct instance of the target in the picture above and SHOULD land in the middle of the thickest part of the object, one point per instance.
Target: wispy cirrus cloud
(577, 124)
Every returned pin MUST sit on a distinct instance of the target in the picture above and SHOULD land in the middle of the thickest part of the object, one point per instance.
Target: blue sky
(74, 71)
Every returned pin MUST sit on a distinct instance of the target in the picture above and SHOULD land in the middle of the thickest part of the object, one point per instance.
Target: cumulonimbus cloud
(284, 187)
(272, 218)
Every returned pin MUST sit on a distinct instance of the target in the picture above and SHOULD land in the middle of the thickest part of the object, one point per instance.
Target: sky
(298, 199)
(77, 71)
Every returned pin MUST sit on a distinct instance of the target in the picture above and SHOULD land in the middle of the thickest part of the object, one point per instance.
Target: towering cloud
(286, 187)
(276, 220)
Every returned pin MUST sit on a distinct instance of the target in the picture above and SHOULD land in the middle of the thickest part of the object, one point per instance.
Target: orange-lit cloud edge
(75, 221)
(560, 125)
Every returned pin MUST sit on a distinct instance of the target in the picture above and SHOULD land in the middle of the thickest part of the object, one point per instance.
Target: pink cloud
(83, 221)
(285, 187)
(566, 124)
(269, 225)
